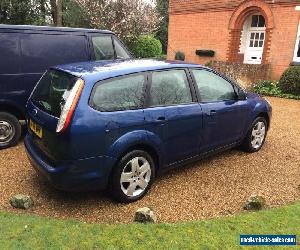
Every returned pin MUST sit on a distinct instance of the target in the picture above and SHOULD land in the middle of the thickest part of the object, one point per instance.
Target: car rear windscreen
(52, 91)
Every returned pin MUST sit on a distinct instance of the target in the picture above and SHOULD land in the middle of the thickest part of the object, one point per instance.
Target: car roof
(50, 28)
(99, 70)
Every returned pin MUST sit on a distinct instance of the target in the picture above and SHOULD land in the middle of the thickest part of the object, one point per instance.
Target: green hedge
(290, 81)
(147, 47)
(271, 88)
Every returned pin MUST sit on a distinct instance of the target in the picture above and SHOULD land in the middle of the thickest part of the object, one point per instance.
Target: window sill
(295, 63)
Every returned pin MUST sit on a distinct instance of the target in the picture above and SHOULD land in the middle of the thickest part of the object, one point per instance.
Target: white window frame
(296, 58)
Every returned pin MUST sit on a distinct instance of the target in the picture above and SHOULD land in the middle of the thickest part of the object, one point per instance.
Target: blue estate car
(116, 125)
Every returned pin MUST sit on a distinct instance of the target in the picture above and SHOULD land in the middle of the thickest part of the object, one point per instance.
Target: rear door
(44, 109)
(224, 116)
(173, 114)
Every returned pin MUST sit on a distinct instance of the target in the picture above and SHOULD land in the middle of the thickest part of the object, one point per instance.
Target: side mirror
(241, 95)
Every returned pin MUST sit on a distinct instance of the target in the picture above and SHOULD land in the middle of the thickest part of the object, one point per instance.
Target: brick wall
(206, 30)
(191, 28)
(245, 74)
(283, 38)
(180, 6)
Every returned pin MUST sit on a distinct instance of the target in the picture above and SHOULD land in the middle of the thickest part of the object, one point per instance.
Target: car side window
(120, 93)
(213, 88)
(120, 51)
(170, 87)
(103, 47)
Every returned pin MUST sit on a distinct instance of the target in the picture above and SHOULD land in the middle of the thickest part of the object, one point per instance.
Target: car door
(224, 116)
(173, 115)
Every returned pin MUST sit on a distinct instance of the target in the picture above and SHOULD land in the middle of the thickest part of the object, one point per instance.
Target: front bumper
(76, 175)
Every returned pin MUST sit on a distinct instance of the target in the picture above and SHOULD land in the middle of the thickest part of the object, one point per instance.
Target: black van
(27, 51)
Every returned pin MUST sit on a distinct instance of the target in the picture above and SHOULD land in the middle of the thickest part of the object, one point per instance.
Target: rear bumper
(77, 175)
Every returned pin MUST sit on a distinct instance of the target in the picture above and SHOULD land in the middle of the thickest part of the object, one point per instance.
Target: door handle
(212, 112)
(161, 118)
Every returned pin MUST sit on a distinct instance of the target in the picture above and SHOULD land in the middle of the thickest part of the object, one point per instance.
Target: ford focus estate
(116, 125)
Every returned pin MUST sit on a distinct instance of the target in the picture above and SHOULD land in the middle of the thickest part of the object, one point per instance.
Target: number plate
(37, 129)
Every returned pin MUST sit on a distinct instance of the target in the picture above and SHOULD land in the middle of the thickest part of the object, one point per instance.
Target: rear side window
(170, 88)
(121, 93)
(213, 88)
(103, 47)
(52, 91)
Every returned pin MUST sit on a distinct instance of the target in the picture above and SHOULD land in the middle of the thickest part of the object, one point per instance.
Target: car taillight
(69, 107)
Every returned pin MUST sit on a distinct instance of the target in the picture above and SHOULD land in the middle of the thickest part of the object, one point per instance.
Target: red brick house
(244, 31)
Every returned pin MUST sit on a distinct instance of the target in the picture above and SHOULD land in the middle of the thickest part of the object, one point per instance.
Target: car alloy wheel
(135, 177)
(258, 134)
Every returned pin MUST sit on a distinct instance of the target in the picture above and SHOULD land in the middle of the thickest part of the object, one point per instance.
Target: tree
(19, 11)
(162, 7)
(128, 19)
(56, 12)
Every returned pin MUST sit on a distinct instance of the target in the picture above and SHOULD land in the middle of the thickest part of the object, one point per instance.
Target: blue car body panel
(96, 141)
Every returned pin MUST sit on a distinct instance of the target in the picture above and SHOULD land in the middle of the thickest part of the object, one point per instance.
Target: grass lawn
(32, 232)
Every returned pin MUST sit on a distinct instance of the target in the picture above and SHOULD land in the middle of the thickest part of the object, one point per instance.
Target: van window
(103, 48)
(10, 53)
(41, 51)
(120, 51)
(52, 91)
(121, 93)
(169, 88)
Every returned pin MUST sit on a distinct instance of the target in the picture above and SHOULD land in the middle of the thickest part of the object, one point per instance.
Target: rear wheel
(256, 135)
(132, 177)
(10, 130)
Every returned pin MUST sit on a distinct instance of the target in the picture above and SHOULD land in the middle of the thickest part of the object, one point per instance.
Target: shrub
(180, 56)
(271, 88)
(209, 64)
(290, 81)
(147, 46)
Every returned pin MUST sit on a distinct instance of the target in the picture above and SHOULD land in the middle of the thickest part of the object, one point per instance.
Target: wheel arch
(12, 109)
(266, 116)
(144, 147)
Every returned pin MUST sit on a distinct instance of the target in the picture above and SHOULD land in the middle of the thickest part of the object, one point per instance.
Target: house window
(297, 47)
(258, 21)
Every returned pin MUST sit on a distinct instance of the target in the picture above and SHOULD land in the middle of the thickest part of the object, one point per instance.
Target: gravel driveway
(213, 187)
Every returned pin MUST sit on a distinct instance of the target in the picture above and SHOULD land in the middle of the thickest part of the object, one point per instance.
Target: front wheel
(10, 130)
(132, 177)
(256, 136)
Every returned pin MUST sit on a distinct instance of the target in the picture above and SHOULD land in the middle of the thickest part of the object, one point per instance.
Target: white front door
(255, 39)
(255, 47)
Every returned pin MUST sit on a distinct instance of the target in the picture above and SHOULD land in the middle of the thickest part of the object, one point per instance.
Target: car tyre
(256, 135)
(132, 177)
(10, 130)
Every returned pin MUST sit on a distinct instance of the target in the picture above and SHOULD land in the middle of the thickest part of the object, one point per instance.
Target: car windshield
(52, 91)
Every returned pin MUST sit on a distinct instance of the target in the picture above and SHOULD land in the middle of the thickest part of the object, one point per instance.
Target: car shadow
(58, 197)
